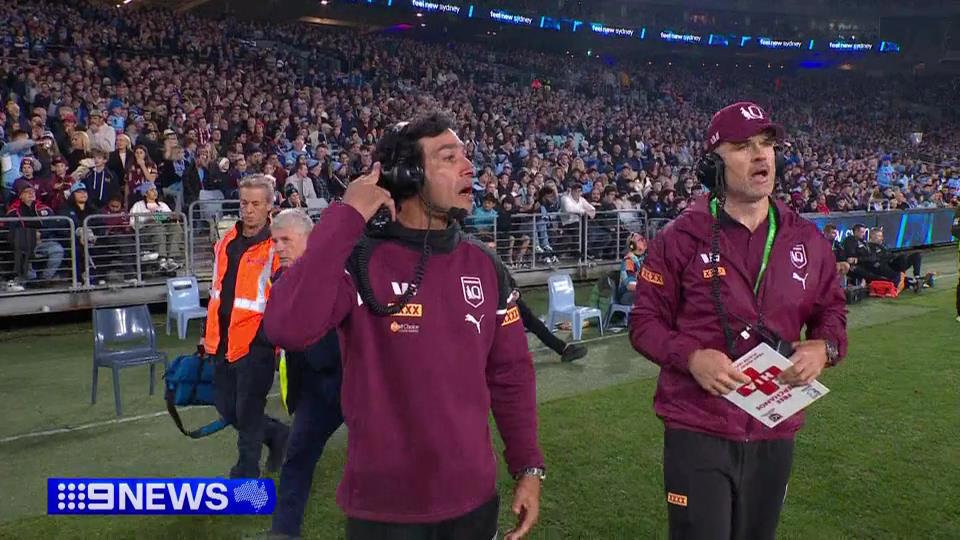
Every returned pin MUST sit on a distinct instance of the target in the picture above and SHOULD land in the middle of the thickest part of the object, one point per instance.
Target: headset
(406, 177)
(711, 171)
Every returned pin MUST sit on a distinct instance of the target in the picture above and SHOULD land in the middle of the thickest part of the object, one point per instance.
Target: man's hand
(526, 505)
(714, 372)
(366, 197)
(809, 358)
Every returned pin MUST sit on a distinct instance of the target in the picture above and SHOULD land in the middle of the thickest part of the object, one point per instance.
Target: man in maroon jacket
(733, 271)
(431, 339)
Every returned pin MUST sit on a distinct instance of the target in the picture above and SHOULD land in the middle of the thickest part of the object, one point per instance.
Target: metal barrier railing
(549, 243)
(37, 252)
(110, 249)
(133, 248)
(655, 225)
(207, 221)
(608, 231)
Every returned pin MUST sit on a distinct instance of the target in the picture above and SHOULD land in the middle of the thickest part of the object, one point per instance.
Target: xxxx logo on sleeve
(512, 316)
(410, 310)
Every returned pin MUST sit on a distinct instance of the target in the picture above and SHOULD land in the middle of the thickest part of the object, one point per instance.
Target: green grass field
(878, 458)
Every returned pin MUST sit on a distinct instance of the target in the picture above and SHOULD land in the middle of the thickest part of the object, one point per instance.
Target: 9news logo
(189, 496)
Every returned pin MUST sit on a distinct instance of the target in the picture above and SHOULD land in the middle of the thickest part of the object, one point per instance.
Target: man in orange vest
(244, 262)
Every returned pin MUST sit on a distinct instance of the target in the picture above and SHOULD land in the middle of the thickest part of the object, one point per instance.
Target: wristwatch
(833, 354)
(539, 472)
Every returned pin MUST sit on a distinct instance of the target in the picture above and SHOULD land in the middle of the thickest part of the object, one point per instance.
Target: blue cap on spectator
(79, 186)
(115, 104)
(311, 163)
(145, 187)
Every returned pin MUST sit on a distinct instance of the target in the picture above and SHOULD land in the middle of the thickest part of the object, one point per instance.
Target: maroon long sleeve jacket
(418, 387)
(674, 315)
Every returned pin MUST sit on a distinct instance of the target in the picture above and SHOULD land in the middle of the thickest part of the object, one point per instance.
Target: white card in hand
(765, 398)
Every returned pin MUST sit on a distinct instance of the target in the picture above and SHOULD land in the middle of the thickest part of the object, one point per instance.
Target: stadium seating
(182, 93)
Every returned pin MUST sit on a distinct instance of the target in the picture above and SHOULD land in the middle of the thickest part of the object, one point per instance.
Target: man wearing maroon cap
(735, 270)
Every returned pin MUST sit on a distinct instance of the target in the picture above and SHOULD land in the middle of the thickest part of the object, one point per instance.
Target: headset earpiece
(711, 171)
(405, 178)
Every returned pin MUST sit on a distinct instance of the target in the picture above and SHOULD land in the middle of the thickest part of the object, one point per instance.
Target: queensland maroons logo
(798, 256)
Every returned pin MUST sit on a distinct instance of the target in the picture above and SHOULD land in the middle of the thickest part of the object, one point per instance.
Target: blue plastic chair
(615, 307)
(563, 306)
(183, 303)
(124, 337)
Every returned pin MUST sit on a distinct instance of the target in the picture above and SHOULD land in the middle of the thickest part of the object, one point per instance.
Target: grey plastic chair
(124, 337)
(562, 306)
(183, 303)
(615, 307)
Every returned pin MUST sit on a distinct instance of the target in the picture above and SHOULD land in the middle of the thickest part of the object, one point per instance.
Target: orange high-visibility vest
(252, 290)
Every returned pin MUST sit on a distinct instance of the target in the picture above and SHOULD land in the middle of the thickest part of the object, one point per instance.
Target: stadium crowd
(143, 110)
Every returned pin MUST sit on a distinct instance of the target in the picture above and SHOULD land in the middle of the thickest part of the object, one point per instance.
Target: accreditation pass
(765, 398)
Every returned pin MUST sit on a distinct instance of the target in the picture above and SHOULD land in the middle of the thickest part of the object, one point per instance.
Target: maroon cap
(739, 122)
(22, 185)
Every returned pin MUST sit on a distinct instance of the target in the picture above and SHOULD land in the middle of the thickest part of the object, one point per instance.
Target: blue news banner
(188, 496)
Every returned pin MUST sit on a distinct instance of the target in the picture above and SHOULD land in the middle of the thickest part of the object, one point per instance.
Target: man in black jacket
(858, 254)
(312, 390)
(891, 266)
(200, 178)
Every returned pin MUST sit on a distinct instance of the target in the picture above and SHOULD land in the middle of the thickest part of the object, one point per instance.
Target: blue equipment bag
(189, 381)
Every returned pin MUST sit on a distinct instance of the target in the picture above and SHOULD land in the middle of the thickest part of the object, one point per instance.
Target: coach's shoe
(917, 284)
(573, 351)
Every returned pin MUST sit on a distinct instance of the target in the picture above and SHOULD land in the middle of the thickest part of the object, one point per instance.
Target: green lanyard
(767, 248)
